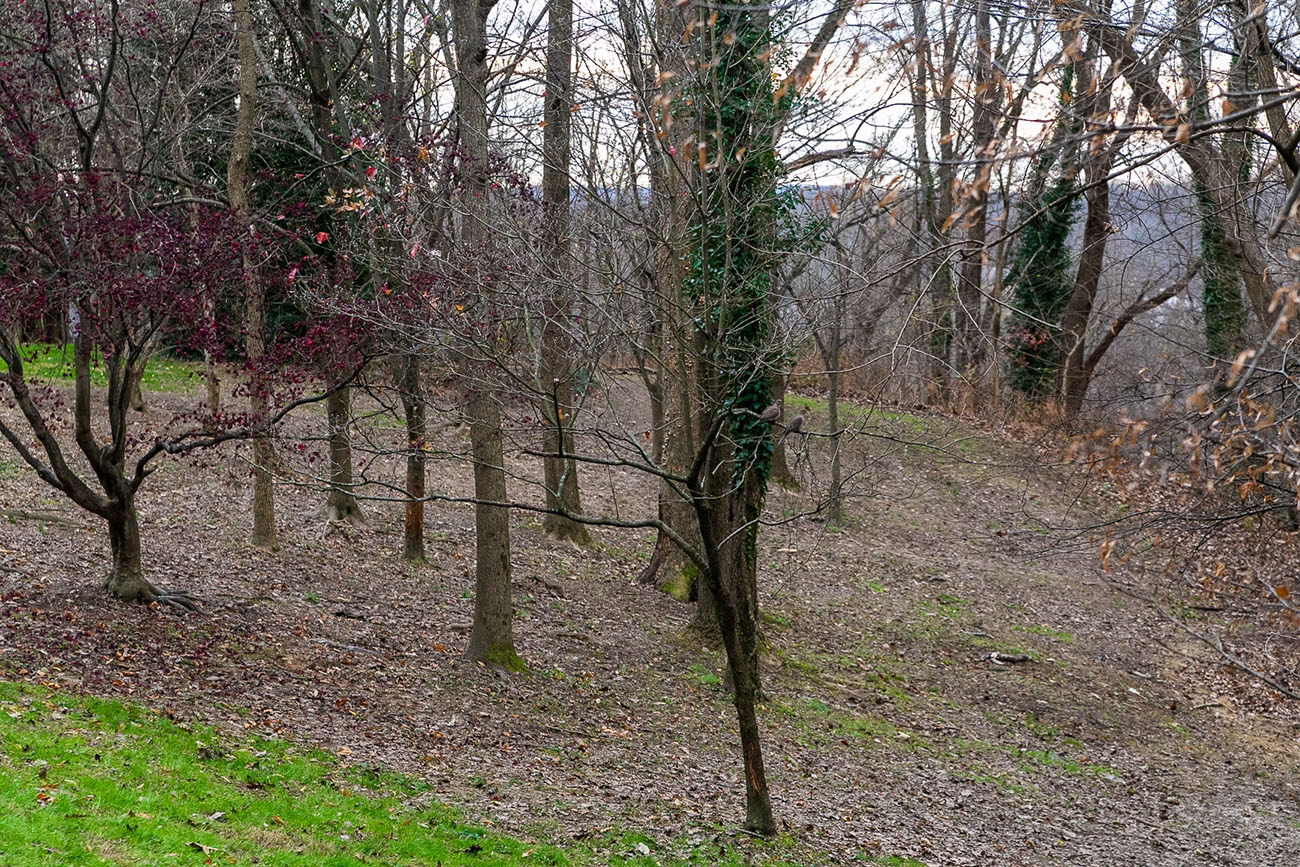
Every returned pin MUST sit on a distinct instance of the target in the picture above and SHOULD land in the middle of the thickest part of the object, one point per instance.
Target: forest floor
(951, 680)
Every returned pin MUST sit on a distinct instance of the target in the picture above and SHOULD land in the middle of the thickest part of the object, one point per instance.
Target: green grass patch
(820, 724)
(1004, 647)
(776, 619)
(850, 412)
(987, 777)
(1044, 731)
(1056, 634)
(936, 620)
(704, 676)
(1031, 761)
(53, 363)
(85, 781)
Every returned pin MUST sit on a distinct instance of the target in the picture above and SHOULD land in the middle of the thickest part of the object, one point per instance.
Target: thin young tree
(555, 380)
(241, 146)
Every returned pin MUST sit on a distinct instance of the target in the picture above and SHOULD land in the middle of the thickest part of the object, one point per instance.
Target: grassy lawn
(53, 362)
(92, 782)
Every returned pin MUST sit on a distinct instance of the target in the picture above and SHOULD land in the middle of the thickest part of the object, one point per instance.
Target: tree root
(16, 515)
(135, 588)
(177, 600)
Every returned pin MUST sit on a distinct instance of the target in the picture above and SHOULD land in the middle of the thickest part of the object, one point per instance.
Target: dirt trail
(946, 686)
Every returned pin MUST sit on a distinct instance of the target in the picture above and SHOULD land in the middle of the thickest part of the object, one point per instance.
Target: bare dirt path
(945, 685)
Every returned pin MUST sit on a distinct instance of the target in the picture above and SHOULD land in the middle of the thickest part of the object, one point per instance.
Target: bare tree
(556, 380)
(254, 306)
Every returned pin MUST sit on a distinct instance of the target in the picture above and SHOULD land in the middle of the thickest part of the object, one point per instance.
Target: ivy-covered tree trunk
(1039, 278)
(1224, 309)
(727, 287)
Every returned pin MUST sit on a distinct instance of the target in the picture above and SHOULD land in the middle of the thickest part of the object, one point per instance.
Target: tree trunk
(969, 357)
(936, 219)
(556, 380)
(492, 637)
(1224, 312)
(416, 441)
(1094, 101)
(560, 470)
(780, 466)
(264, 535)
(835, 499)
(327, 123)
(669, 568)
(211, 376)
(340, 505)
(1078, 310)
(725, 515)
(126, 579)
(1236, 228)
(137, 398)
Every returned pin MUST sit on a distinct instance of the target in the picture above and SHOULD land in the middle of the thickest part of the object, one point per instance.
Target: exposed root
(177, 600)
(136, 588)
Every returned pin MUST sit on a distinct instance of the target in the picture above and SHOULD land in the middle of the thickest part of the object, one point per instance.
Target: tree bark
(1239, 232)
(1223, 310)
(1087, 282)
(970, 344)
(780, 466)
(935, 218)
(340, 504)
(556, 381)
(412, 388)
(835, 497)
(1098, 159)
(666, 140)
(492, 638)
(264, 535)
(126, 577)
(726, 517)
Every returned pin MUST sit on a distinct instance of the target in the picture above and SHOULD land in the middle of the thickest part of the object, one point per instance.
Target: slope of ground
(945, 686)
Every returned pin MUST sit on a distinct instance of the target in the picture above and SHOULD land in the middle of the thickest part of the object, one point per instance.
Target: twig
(1212, 641)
